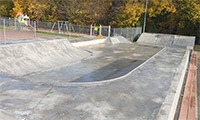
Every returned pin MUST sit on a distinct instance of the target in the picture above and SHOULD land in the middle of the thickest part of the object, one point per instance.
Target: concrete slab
(166, 40)
(106, 62)
(18, 98)
(24, 58)
(6, 116)
(118, 39)
(138, 97)
(101, 82)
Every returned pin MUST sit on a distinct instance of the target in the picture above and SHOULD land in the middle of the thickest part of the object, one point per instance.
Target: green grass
(197, 48)
(1, 27)
(58, 34)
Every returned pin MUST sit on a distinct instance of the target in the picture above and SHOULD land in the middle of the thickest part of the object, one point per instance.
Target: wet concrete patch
(113, 70)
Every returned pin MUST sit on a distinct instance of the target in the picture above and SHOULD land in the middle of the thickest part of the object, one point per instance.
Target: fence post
(109, 31)
(79, 29)
(9, 22)
(34, 29)
(114, 32)
(15, 24)
(121, 32)
(100, 27)
(91, 30)
(69, 30)
(37, 25)
(126, 33)
(58, 27)
(4, 30)
(132, 34)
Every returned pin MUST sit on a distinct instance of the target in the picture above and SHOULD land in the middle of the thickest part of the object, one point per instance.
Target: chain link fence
(63, 27)
(12, 29)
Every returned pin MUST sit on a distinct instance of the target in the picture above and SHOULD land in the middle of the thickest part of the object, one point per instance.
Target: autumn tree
(5, 7)
(92, 12)
(132, 13)
(161, 16)
(17, 7)
(114, 12)
(188, 16)
(35, 9)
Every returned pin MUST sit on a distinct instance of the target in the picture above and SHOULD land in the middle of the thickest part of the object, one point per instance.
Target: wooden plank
(188, 106)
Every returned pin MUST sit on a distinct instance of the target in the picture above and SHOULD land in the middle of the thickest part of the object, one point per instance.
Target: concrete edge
(159, 45)
(87, 43)
(7, 116)
(110, 80)
(168, 34)
(169, 106)
(31, 41)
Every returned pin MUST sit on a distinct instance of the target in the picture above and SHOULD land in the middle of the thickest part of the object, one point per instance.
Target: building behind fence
(63, 27)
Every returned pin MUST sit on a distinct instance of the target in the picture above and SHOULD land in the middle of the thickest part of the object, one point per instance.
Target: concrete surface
(82, 43)
(138, 96)
(118, 39)
(167, 40)
(107, 62)
(44, 93)
(24, 58)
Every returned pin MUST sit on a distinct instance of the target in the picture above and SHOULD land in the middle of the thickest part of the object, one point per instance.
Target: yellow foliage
(131, 13)
(33, 8)
(161, 7)
(17, 7)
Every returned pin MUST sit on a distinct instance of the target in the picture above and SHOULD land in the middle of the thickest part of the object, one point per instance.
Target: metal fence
(12, 29)
(64, 27)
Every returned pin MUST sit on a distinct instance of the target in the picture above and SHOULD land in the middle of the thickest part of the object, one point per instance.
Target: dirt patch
(22, 35)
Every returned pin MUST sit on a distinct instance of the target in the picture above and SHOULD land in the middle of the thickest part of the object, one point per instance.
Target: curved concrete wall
(25, 58)
(167, 40)
(118, 39)
(87, 43)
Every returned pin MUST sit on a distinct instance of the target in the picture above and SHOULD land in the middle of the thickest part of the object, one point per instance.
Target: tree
(115, 12)
(161, 16)
(188, 16)
(5, 7)
(17, 7)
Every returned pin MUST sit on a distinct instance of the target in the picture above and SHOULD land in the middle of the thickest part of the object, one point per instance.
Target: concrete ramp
(26, 58)
(118, 39)
(166, 40)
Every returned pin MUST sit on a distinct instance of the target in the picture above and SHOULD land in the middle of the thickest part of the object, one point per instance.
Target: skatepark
(107, 78)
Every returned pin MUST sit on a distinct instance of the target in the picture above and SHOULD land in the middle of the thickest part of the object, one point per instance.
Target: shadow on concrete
(116, 69)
